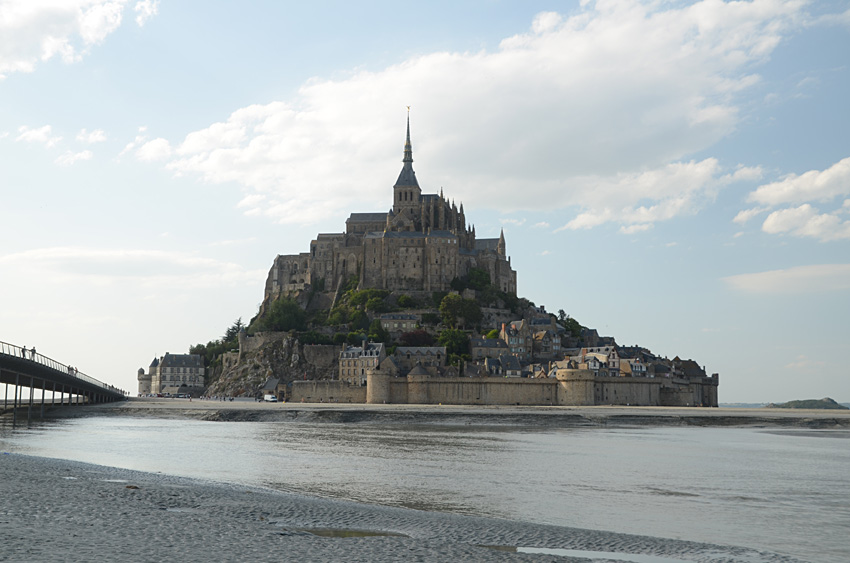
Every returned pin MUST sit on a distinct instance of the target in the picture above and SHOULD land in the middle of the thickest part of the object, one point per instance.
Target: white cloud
(814, 185)
(795, 194)
(807, 221)
(68, 158)
(96, 136)
(157, 149)
(138, 141)
(673, 190)
(747, 214)
(803, 363)
(42, 135)
(33, 31)
(800, 279)
(620, 92)
(638, 228)
(541, 225)
(150, 269)
(145, 10)
(515, 222)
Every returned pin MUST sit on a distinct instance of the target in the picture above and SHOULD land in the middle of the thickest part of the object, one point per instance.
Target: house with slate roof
(398, 323)
(355, 360)
(481, 348)
(174, 373)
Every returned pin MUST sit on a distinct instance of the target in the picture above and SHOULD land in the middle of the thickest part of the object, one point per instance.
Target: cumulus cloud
(69, 157)
(96, 136)
(807, 221)
(747, 214)
(33, 32)
(673, 190)
(145, 10)
(801, 279)
(814, 185)
(612, 98)
(42, 136)
(798, 217)
(157, 149)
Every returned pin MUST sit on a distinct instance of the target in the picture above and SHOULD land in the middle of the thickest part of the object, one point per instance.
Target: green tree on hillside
(416, 337)
(573, 327)
(451, 308)
(456, 341)
(283, 315)
(232, 332)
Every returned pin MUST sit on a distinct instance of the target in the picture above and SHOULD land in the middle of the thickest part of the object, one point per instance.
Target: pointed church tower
(406, 192)
(500, 248)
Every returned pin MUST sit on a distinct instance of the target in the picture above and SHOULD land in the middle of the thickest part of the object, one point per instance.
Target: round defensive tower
(575, 387)
(144, 382)
(377, 387)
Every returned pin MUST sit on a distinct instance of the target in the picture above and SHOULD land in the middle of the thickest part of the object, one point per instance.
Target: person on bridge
(32, 352)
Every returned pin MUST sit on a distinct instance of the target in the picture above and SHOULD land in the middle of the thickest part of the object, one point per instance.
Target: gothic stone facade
(420, 245)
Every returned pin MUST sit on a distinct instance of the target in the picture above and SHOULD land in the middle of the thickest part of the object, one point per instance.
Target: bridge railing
(27, 354)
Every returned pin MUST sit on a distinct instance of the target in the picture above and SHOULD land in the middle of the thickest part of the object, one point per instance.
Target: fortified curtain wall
(570, 388)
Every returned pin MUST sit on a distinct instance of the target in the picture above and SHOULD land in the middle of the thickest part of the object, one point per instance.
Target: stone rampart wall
(489, 391)
(327, 392)
(641, 391)
(578, 389)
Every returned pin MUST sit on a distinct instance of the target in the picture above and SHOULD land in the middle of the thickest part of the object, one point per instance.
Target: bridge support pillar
(29, 407)
(43, 391)
(15, 403)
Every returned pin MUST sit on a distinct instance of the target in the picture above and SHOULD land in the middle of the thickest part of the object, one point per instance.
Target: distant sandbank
(596, 416)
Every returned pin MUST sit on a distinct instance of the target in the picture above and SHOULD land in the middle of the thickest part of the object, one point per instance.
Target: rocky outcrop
(276, 355)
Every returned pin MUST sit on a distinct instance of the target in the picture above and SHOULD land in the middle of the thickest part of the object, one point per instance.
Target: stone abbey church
(420, 245)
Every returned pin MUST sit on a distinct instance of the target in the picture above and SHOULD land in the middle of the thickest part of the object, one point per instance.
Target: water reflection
(739, 486)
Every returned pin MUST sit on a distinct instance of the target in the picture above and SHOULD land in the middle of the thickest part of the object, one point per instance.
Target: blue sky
(674, 174)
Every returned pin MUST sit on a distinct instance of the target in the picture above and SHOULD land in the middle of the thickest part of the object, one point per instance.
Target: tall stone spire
(408, 148)
(407, 177)
(500, 247)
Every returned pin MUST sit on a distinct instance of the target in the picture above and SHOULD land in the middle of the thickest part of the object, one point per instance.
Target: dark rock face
(285, 359)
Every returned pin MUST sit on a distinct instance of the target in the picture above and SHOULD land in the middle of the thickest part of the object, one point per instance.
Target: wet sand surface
(57, 510)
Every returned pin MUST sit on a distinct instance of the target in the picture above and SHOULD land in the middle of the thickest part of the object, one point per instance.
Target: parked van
(270, 398)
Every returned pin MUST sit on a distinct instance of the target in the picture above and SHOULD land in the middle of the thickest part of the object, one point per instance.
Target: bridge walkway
(23, 368)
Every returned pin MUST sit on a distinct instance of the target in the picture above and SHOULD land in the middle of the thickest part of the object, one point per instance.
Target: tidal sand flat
(556, 417)
(57, 510)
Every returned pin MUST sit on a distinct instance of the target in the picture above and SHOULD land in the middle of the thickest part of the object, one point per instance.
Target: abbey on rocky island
(420, 245)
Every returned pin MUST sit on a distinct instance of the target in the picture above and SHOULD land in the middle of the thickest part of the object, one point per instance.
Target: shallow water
(784, 492)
